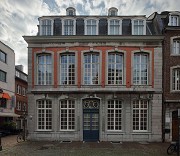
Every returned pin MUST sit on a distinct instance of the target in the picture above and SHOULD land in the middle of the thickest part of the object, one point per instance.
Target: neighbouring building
(95, 78)
(7, 84)
(21, 95)
(170, 26)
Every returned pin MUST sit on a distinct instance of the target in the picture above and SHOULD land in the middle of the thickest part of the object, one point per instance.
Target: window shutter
(80, 26)
(57, 27)
(103, 26)
(126, 27)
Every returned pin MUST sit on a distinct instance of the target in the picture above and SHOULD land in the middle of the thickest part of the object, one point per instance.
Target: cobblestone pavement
(47, 148)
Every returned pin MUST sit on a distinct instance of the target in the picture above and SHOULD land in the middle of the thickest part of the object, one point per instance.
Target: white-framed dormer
(70, 11)
(68, 26)
(46, 26)
(112, 11)
(138, 25)
(174, 19)
(91, 25)
(115, 26)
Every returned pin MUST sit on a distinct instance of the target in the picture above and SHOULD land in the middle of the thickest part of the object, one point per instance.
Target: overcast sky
(20, 17)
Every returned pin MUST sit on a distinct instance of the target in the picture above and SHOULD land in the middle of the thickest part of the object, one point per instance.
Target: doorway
(175, 135)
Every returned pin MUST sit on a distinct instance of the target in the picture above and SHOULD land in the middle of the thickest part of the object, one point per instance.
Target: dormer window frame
(112, 11)
(70, 11)
(174, 19)
(138, 24)
(120, 26)
(46, 25)
(74, 25)
(85, 25)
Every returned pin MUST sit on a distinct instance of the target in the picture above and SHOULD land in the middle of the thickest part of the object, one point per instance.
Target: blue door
(91, 120)
(91, 126)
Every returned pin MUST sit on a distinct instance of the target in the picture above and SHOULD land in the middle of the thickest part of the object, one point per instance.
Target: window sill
(175, 55)
(140, 133)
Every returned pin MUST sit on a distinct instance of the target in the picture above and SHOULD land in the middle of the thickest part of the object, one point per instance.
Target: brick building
(21, 97)
(95, 78)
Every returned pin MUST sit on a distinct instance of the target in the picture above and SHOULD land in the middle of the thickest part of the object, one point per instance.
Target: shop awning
(6, 96)
(9, 115)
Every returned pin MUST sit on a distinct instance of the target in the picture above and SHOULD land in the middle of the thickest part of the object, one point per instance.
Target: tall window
(68, 27)
(91, 27)
(91, 68)
(176, 79)
(114, 115)
(2, 76)
(67, 115)
(115, 68)
(176, 46)
(140, 71)
(46, 27)
(174, 21)
(18, 106)
(138, 27)
(2, 56)
(44, 115)
(67, 69)
(114, 27)
(44, 69)
(140, 115)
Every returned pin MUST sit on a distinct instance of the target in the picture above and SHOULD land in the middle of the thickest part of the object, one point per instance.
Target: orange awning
(6, 96)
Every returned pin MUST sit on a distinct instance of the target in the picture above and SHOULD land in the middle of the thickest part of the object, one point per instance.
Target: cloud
(20, 17)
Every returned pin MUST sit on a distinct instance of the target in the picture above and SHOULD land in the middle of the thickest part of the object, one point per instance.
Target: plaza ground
(47, 148)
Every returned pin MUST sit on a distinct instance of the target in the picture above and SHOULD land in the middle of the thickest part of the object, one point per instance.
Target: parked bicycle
(173, 148)
(21, 137)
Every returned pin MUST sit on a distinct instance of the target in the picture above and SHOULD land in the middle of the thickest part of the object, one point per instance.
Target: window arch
(141, 68)
(67, 68)
(44, 69)
(91, 67)
(115, 68)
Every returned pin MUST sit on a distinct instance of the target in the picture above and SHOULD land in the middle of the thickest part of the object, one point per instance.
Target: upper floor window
(70, 11)
(18, 105)
(18, 89)
(176, 46)
(140, 115)
(17, 73)
(138, 27)
(91, 68)
(69, 27)
(44, 115)
(44, 69)
(140, 69)
(91, 27)
(46, 27)
(112, 11)
(2, 56)
(115, 68)
(174, 20)
(176, 79)
(2, 76)
(67, 69)
(114, 27)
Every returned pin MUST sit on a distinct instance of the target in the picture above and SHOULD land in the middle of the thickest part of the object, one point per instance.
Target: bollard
(0, 143)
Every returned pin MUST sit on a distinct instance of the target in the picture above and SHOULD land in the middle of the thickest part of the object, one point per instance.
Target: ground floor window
(67, 115)
(44, 114)
(114, 115)
(140, 115)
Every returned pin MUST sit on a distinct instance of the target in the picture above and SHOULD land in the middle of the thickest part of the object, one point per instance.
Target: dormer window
(46, 26)
(91, 27)
(138, 27)
(70, 11)
(113, 11)
(114, 27)
(174, 20)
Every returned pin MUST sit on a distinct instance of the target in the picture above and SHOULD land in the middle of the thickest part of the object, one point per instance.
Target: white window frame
(18, 105)
(176, 46)
(139, 109)
(144, 26)
(45, 114)
(109, 26)
(67, 69)
(140, 66)
(91, 67)
(69, 111)
(19, 89)
(74, 26)
(41, 26)
(117, 64)
(114, 109)
(172, 19)
(97, 25)
(175, 80)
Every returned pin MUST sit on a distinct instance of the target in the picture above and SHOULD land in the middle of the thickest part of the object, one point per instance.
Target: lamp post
(178, 131)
